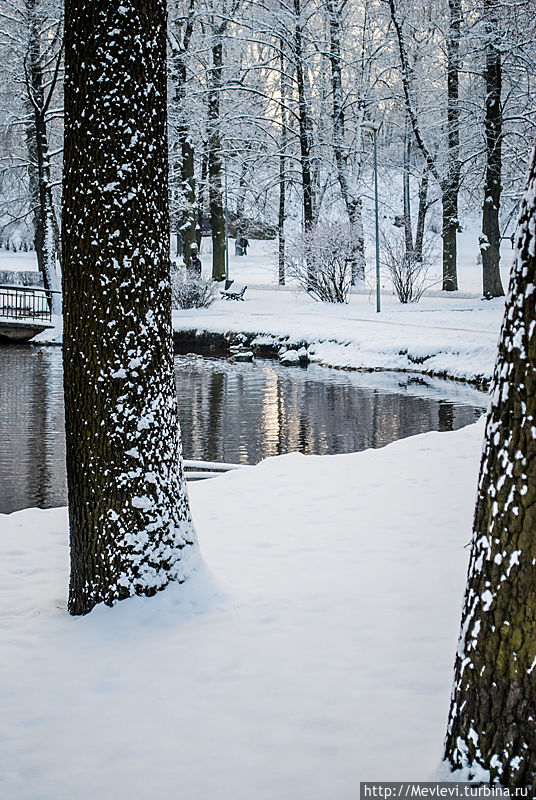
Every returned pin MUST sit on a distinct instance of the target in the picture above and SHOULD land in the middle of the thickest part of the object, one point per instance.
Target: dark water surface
(229, 412)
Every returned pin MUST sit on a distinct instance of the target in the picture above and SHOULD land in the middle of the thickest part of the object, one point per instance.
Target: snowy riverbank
(314, 648)
(447, 336)
(450, 334)
(452, 337)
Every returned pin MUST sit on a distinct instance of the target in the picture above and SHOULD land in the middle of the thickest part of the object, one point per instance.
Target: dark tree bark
(131, 531)
(215, 188)
(304, 122)
(47, 239)
(187, 221)
(282, 215)
(490, 240)
(406, 196)
(449, 203)
(421, 214)
(352, 202)
(491, 722)
(282, 210)
(451, 184)
(241, 228)
(414, 249)
(202, 194)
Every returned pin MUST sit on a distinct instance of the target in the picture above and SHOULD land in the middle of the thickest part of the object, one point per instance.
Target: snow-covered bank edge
(436, 341)
(447, 363)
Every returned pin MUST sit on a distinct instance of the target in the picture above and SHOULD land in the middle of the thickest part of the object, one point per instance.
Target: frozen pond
(229, 412)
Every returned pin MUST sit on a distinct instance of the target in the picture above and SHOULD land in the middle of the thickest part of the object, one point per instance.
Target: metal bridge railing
(26, 303)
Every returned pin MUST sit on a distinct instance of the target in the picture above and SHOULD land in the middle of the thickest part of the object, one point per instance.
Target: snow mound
(313, 649)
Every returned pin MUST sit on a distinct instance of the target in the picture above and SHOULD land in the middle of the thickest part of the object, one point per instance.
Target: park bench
(233, 291)
(199, 470)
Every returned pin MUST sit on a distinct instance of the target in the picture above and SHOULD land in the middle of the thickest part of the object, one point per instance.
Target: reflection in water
(32, 447)
(244, 412)
(229, 412)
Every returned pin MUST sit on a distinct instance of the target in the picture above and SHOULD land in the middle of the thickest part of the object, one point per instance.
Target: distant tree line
(265, 105)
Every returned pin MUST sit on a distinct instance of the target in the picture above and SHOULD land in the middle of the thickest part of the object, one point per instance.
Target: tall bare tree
(448, 178)
(303, 118)
(215, 147)
(352, 200)
(490, 241)
(31, 33)
(183, 167)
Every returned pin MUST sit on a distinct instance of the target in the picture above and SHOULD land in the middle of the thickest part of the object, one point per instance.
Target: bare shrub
(407, 269)
(190, 291)
(321, 262)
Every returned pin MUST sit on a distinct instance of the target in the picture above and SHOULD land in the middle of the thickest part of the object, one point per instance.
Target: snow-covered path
(312, 650)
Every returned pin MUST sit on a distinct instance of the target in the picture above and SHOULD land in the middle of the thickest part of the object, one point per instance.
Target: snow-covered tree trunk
(131, 531)
(202, 191)
(241, 230)
(491, 724)
(490, 241)
(449, 205)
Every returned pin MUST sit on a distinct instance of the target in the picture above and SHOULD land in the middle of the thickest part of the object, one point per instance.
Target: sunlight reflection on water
(229, 412)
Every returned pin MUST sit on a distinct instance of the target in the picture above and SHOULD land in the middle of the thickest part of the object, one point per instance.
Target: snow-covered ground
(312, 649)
(259, 267)
(19, 261)
(314, 646)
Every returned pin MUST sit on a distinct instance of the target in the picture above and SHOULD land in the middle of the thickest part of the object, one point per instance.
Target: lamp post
(373, 127)
(226, 226)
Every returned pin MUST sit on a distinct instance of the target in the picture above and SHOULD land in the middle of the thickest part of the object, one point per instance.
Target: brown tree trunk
(353, 204)
(304, 123)
(406, 195)
(282, 211)
(188, 226)
(46, 241)
(490, 240)
(451, 185)
(202, 195)
(449, 202)
(421, 214)
(187, 218)
(128, 510)
(241, 227)
(491, 722)
(215, 189)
